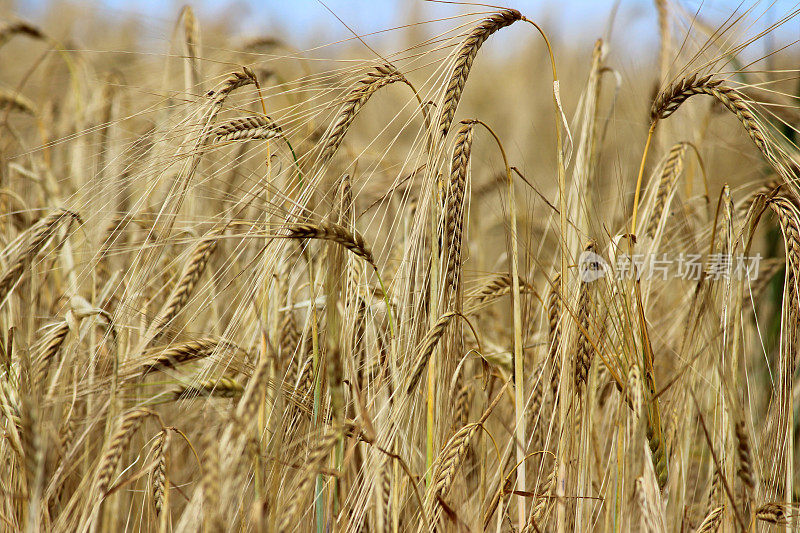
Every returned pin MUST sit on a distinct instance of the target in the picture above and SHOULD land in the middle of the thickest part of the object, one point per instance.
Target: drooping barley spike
(666, 184)
(448, 464)
(788, 214)
(455, 207)
(216, 388)
(745, 458)
(451, 457)
(585, 352)
(178, 354)
(546, 494)
(246, 129)
(772, 513)
(50, 346)
(426, 347)
(351, 240)
(386, 492)
(463, 403)
(10, 411)
(655, 439)
(10, 29)
(192, 272)
(464, 58)
(38, 236)
(381, 76)
(247, 408)
(234, 81)
(712, 521)
(671, 99)
(305, 382)
(633, 394)
(554, 333)
(538, 396)
(497, 286)
(158, 478)
(789, 219)
(289, 342)
(115, 447)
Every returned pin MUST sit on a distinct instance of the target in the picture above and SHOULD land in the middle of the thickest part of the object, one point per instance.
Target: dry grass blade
(16, 102)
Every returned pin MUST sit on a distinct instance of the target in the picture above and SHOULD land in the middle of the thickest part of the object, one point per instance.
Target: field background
(254, 277)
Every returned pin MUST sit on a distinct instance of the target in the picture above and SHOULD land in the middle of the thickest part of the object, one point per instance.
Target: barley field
(478, 275)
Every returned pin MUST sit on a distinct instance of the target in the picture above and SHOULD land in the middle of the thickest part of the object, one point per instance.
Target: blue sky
(310, 23)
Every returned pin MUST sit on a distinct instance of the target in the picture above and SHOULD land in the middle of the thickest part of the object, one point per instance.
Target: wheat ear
(40, 234)
(178, 354)
(245, 129)
(129, 423)
(666, 183)
(585, 351)
(676, 94)
(192, 272)
(381, 76)
(426, 347)
(454, 209)
(351, 240)
(158, 480)
(464, 58)
(218, 388)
